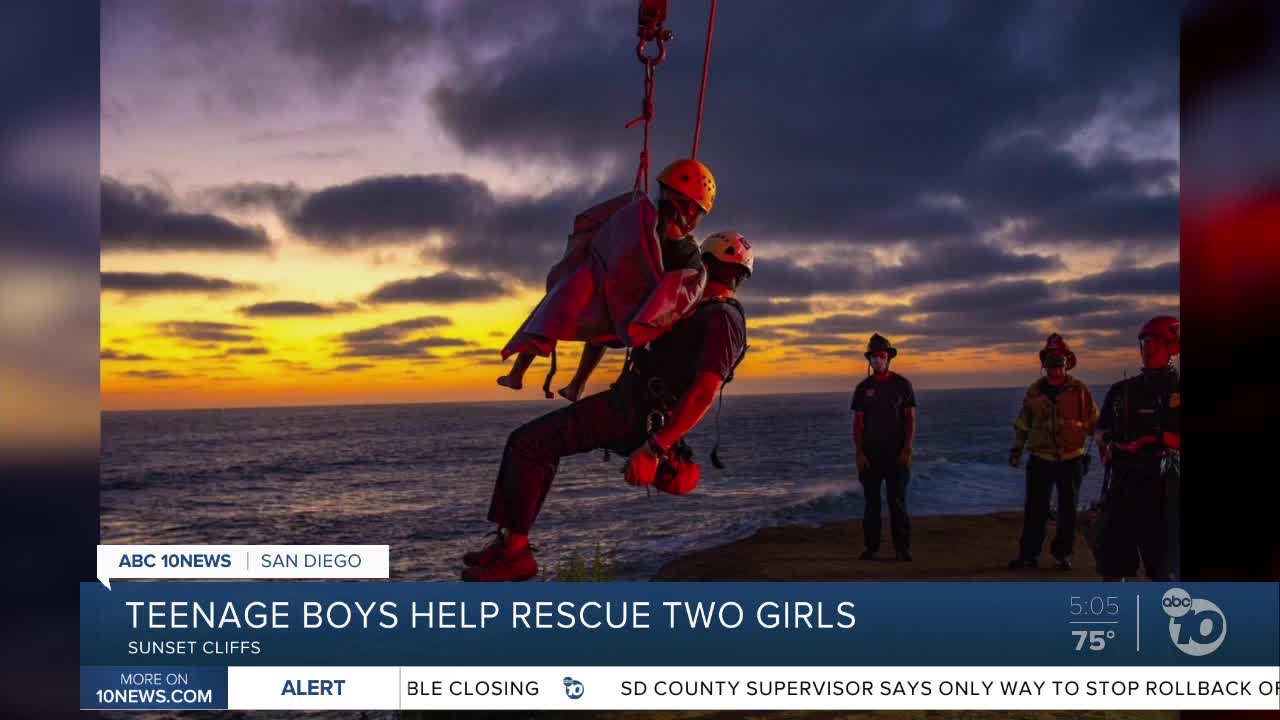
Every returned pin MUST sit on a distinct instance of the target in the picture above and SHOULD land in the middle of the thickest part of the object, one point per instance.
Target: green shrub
(600, 569)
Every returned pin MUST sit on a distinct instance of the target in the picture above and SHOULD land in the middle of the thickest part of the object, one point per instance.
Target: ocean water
(419, 477)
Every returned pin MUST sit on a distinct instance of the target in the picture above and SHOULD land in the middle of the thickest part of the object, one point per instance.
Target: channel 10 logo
(573, 689)
(1196, 625)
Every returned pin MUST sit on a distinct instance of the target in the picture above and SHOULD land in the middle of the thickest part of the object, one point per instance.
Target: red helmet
(1167, 328)
(1055, 345)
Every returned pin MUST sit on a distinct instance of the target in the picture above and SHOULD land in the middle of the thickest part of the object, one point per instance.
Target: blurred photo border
(49, 392)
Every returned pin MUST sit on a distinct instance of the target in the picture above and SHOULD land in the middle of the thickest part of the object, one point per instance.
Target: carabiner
(660, 39)
(653, 13)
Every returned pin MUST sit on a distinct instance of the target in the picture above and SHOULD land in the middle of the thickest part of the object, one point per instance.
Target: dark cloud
(1014, 84)
(139, 218)
(445, 287)
(393, 340)
(986, 297)
(259, 350)
(336, 42)
(1106, 218)
(810, 344)
(519, 236)
(291, 364)
(923, 264)
(411, 348)
(139, 283)
(1127, 320)
(345, 38)
(293, 308)
(830, 329)
(109, 354)
(959, 261)
(488, 363)
(393, 209)
(767, 333)
(783, 277)
(1158, 280)
(396, 330)
(808, 352)
(522, 236)
(885, 122)
(153, 374)
(777, 308)
(999, 302)
(352, 367)
(1063, 199)
(284, 199)
(593, 60)
(206, 332)
(478, 353)
(417, 348)
(1001, 316)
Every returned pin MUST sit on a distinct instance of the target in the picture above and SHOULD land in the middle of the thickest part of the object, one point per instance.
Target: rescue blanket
(610, 287)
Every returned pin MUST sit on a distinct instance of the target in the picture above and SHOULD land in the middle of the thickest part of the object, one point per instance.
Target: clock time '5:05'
(1095, 606)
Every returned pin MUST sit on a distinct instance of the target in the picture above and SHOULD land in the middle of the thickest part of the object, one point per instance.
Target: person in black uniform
(884, 430)
(1139, 439)
(676, 376)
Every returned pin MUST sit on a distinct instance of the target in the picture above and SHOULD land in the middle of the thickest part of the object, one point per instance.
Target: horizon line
(493, 402)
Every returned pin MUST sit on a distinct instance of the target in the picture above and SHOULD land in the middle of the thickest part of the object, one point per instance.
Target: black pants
(1042, 477)
(1137, 524)
(1173, 526)
(894, 477)
(532, 455)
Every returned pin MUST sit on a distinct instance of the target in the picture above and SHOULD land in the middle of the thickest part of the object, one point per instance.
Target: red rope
(652, 15)
(646, 115)
(706, 68)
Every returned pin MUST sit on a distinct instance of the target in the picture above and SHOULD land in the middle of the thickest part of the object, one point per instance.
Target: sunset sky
(320, 202)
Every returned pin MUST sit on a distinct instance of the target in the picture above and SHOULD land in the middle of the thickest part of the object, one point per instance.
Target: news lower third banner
(621, 646)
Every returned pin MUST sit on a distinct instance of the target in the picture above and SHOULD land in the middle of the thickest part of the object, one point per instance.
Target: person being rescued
(663, 392)
(1057, 417)
(629, 273)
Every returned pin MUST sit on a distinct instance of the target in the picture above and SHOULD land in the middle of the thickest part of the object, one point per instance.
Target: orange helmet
(691, 179)
(1167, 328)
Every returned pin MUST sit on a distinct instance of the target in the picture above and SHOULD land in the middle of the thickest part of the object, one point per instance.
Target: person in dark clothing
(661, 395)
(1057, 416)
(1140, 440)
(884, 430)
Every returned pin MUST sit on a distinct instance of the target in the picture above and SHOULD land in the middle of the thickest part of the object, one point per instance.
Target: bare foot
(511, 381)
(571, 392)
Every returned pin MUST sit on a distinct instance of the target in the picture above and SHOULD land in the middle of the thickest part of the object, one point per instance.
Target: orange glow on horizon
(156, 358)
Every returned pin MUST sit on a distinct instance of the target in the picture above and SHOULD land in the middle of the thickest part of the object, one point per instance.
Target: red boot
(506, 566)
(485, 555)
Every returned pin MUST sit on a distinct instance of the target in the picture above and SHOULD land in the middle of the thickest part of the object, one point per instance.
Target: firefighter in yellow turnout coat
(1058, 415)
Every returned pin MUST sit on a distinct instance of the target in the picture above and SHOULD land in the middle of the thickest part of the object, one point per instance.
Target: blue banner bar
(153, 688)
(707, 624)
